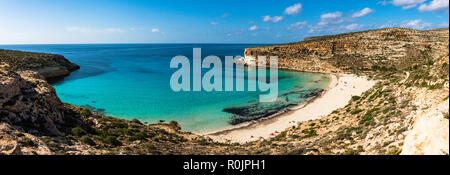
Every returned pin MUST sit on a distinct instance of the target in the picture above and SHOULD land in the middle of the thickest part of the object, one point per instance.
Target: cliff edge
(48, 65)
(386, 48)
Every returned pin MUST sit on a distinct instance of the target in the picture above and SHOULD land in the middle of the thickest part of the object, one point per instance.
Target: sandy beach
(340, 90)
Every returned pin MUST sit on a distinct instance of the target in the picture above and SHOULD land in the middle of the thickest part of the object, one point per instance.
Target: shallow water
(132, 81)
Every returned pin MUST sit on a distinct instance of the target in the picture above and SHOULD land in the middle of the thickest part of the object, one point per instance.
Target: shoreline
(337, 94)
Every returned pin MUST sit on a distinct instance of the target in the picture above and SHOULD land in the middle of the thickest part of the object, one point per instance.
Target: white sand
(342, 87)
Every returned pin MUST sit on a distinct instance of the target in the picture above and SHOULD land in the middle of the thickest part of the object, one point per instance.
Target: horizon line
(129, 43)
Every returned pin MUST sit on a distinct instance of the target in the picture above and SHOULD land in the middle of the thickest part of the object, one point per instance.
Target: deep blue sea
(133, 81)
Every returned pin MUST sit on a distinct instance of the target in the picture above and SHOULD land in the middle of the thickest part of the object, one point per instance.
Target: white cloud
(298, 25)
(236, 33)
(331, 18)
(253, 28)
(435, 5)
(114, 30)
(388, 24)
(329, 23)
(416, 24)
(225, 15)
(155, 30)
(94, 31)
(352, 27)
(406, 4)
(214, 23)
(331, 15)
(363, 12)
(274, 19)
(384, 2)
(333, 29)
(293, 9)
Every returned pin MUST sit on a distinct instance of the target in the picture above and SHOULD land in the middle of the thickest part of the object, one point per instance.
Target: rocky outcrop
(389, 48)
(430, 132)
(48, 65)
(29, 103)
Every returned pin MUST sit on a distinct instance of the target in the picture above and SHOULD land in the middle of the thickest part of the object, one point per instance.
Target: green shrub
(370, 111)
(87, 140)
(78, 131)
(27, 141)
(112, 140)
(309, 132)
(138, 136)
(175, 125)
(436, 86)
(135, 120)
(203, 142)
(85, 112)
(119, 124)
(356, 111)
(394, 151)
(280, 136)
(354, 98)
(392, 100)
(367, 120)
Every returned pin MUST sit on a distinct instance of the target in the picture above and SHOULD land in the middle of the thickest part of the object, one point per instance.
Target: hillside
(48, 65)
(383, 48)
(406, 112)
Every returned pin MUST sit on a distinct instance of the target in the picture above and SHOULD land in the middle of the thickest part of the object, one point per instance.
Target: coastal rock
(430, 133)
(29, 103)
(15, 142)
(381, 48)
(48, 65)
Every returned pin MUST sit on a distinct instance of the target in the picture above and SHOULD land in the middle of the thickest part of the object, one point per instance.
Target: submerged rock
(255, 110)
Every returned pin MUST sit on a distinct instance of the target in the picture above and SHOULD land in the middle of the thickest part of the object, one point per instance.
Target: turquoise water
(132, 81)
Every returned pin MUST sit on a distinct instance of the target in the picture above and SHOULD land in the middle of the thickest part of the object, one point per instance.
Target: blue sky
(207, 21)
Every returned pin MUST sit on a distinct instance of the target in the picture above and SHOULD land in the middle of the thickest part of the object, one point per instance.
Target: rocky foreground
(406, 112)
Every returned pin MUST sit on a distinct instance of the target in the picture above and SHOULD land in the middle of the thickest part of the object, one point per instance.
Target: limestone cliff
(47, 65)
(29, 103)
(388, 48)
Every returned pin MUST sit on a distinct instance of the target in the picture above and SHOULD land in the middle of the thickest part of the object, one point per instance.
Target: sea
(132, 81)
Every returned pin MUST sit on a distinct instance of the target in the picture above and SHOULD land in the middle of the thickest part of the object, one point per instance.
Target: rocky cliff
(388, 48)
(48, 65)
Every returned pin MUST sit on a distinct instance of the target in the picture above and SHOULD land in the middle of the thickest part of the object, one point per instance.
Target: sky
(207, 21)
